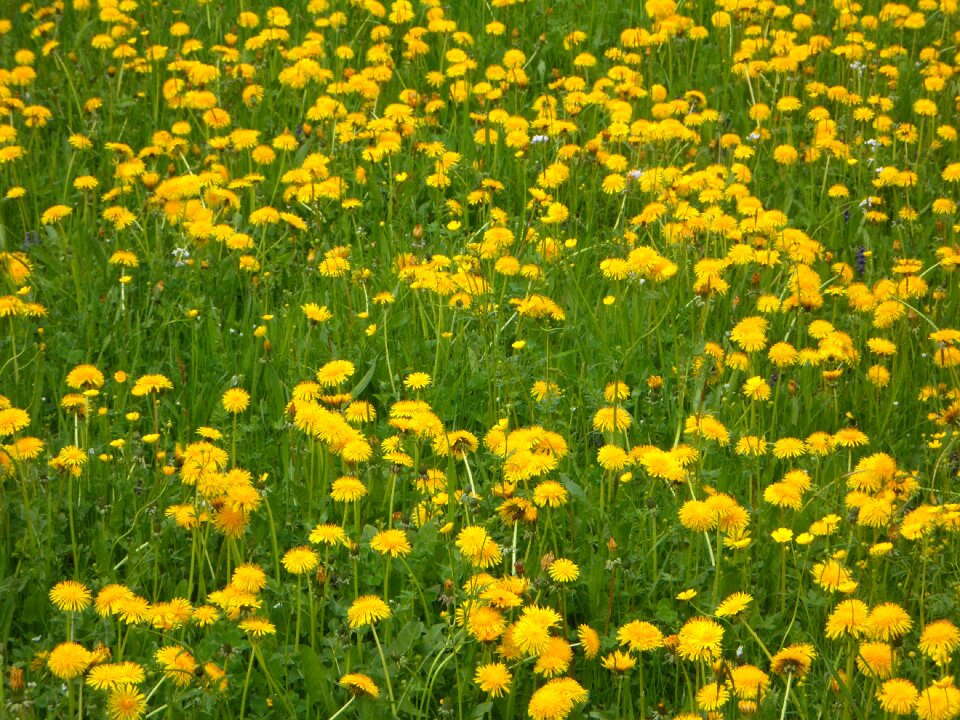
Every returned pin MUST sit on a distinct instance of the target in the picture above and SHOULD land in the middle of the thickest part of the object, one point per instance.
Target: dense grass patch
(503, 359)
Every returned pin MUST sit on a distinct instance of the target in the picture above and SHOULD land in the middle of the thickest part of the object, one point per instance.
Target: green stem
(340, 711)
(313, 617)
(233, 439)
(273, 540)
(296, 636)
(386, 671)
(758, 640)
(619, 692)
(386, 581)
(786, 696)
(246, 686)
(13, 347)
(73, 532)
(273, 683)
(716, 569)
(643, 693)
(416, 584)
(386, 351)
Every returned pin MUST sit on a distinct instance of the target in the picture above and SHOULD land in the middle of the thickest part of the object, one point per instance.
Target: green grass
(526, 212)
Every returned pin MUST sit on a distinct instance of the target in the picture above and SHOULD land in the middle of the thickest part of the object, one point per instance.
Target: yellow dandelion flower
(68, 660)
(416, 381)
(300, 560)
(589, 641)
(493, 679)
(793, 660)
(556, 699)
(618, 662)
(938, 640)
(257, 626)
(898, 696)
(13, 420)
(640, 636)
(70, 595)
(236, 400)
(110, 676)
(335, 372)
(360, 685)
(367, 610)
(391, 542)
(700, 639)
(563, 570)
(733, 604)
(126, 703)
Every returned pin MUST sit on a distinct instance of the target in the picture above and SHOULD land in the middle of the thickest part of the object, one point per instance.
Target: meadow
(495, 359)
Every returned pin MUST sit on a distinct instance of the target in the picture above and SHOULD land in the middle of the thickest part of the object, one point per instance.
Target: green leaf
(665, 612)
(482, 709)
(408, 635)
(365, 380)
(317, 677)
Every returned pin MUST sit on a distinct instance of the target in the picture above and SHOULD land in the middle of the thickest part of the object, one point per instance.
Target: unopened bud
(16, 678)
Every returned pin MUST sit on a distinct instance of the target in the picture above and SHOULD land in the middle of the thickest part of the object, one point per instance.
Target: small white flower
(180, 256)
